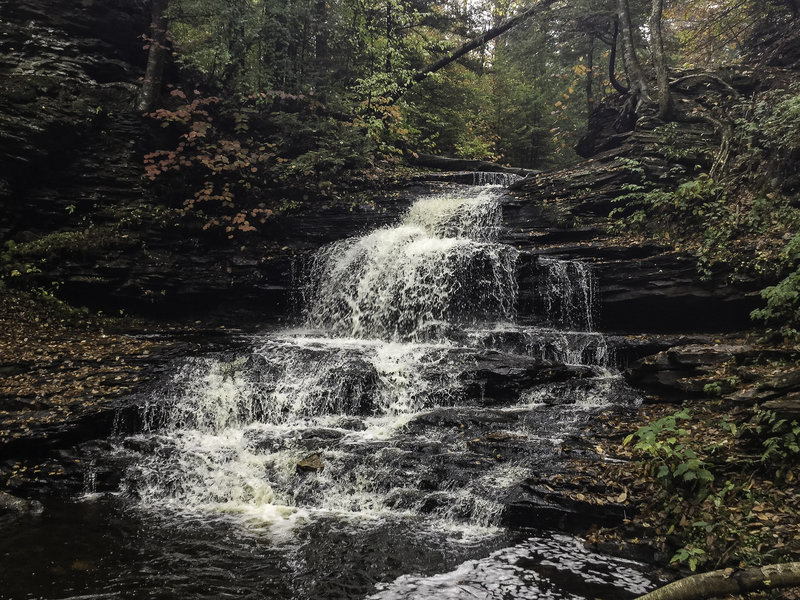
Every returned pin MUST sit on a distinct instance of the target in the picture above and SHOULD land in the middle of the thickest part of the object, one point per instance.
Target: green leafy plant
(691, 555)
(669, 458)
(780, 437)
(783, 299)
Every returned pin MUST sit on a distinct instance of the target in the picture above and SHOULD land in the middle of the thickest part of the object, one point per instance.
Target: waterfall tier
(411, 394)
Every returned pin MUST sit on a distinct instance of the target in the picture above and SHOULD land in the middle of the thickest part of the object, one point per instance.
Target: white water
(437, 269)
(378, 385)
(567, 293)
(488, 178)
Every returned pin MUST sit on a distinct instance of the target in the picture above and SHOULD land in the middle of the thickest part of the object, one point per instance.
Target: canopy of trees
(261, 93)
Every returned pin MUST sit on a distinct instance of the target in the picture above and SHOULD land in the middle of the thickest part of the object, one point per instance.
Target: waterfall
(567, 293)
(412, 281)
(406, 394)
(490, 178)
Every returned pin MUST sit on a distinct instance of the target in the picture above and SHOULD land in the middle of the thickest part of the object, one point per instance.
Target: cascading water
(567, 293)
(438, 268)
(410, 398)
(489, 178)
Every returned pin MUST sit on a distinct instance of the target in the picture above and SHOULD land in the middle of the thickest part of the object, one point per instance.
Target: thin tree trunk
(156, 57)
(635, 73)
(590, 80)
(612, 61)
(388, 65)
(729, 581)
(482, 39)
(660, 60)
(321, 38)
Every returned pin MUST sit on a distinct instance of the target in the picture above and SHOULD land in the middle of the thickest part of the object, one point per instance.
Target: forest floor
(738, 507)
(63, 374)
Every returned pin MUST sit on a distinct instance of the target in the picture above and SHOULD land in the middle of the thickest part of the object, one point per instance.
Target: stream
(372, 451)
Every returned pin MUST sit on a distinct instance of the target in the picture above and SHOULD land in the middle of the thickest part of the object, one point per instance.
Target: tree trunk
(321, 37)
(388, 65)
(729, 581)
(590, 80)
(612, 61)
(447, 163)
(151, 86)
(638, 89)
(482, 39)
(660, 60)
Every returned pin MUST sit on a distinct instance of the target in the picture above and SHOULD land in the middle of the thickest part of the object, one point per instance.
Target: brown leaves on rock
(57, 368)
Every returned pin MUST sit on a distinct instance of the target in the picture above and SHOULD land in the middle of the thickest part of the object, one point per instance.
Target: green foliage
(663, 444)
(226, 154)
(446, 114)
(779, 438)
(783, 299)
(690, 555)
(770, 126)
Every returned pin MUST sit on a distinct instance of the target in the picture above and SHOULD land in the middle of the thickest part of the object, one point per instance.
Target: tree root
(729, 581)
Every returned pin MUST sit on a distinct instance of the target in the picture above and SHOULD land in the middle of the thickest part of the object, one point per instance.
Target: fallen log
(446, 163)
(482, 39)
(729, 581)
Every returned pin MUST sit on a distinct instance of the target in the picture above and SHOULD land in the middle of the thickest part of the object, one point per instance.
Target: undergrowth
(738, 212)
(719, 490)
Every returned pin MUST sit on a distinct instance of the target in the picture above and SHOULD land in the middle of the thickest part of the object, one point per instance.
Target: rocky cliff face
(68, 137)
(643, 287)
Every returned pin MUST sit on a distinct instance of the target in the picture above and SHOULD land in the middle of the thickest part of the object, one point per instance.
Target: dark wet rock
(19, 506)
(687, 369)
(536, 505)
(351, 423)
(403, 498)
(627, 349)
(458, 418)
(785, 381)
(322, 433)
(641, 287)
(266, 442)
(787, 406)
(312, 463)
(462, 164)
(500, 378)
(84, 423)
(68, 134)
(779, 393)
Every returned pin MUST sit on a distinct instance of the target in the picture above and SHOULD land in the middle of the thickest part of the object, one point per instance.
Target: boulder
(19, 506)
(312, 463)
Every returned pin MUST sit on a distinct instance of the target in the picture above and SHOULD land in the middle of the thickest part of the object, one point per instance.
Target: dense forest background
(172, 158)
(247, 111)
(309, 95)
